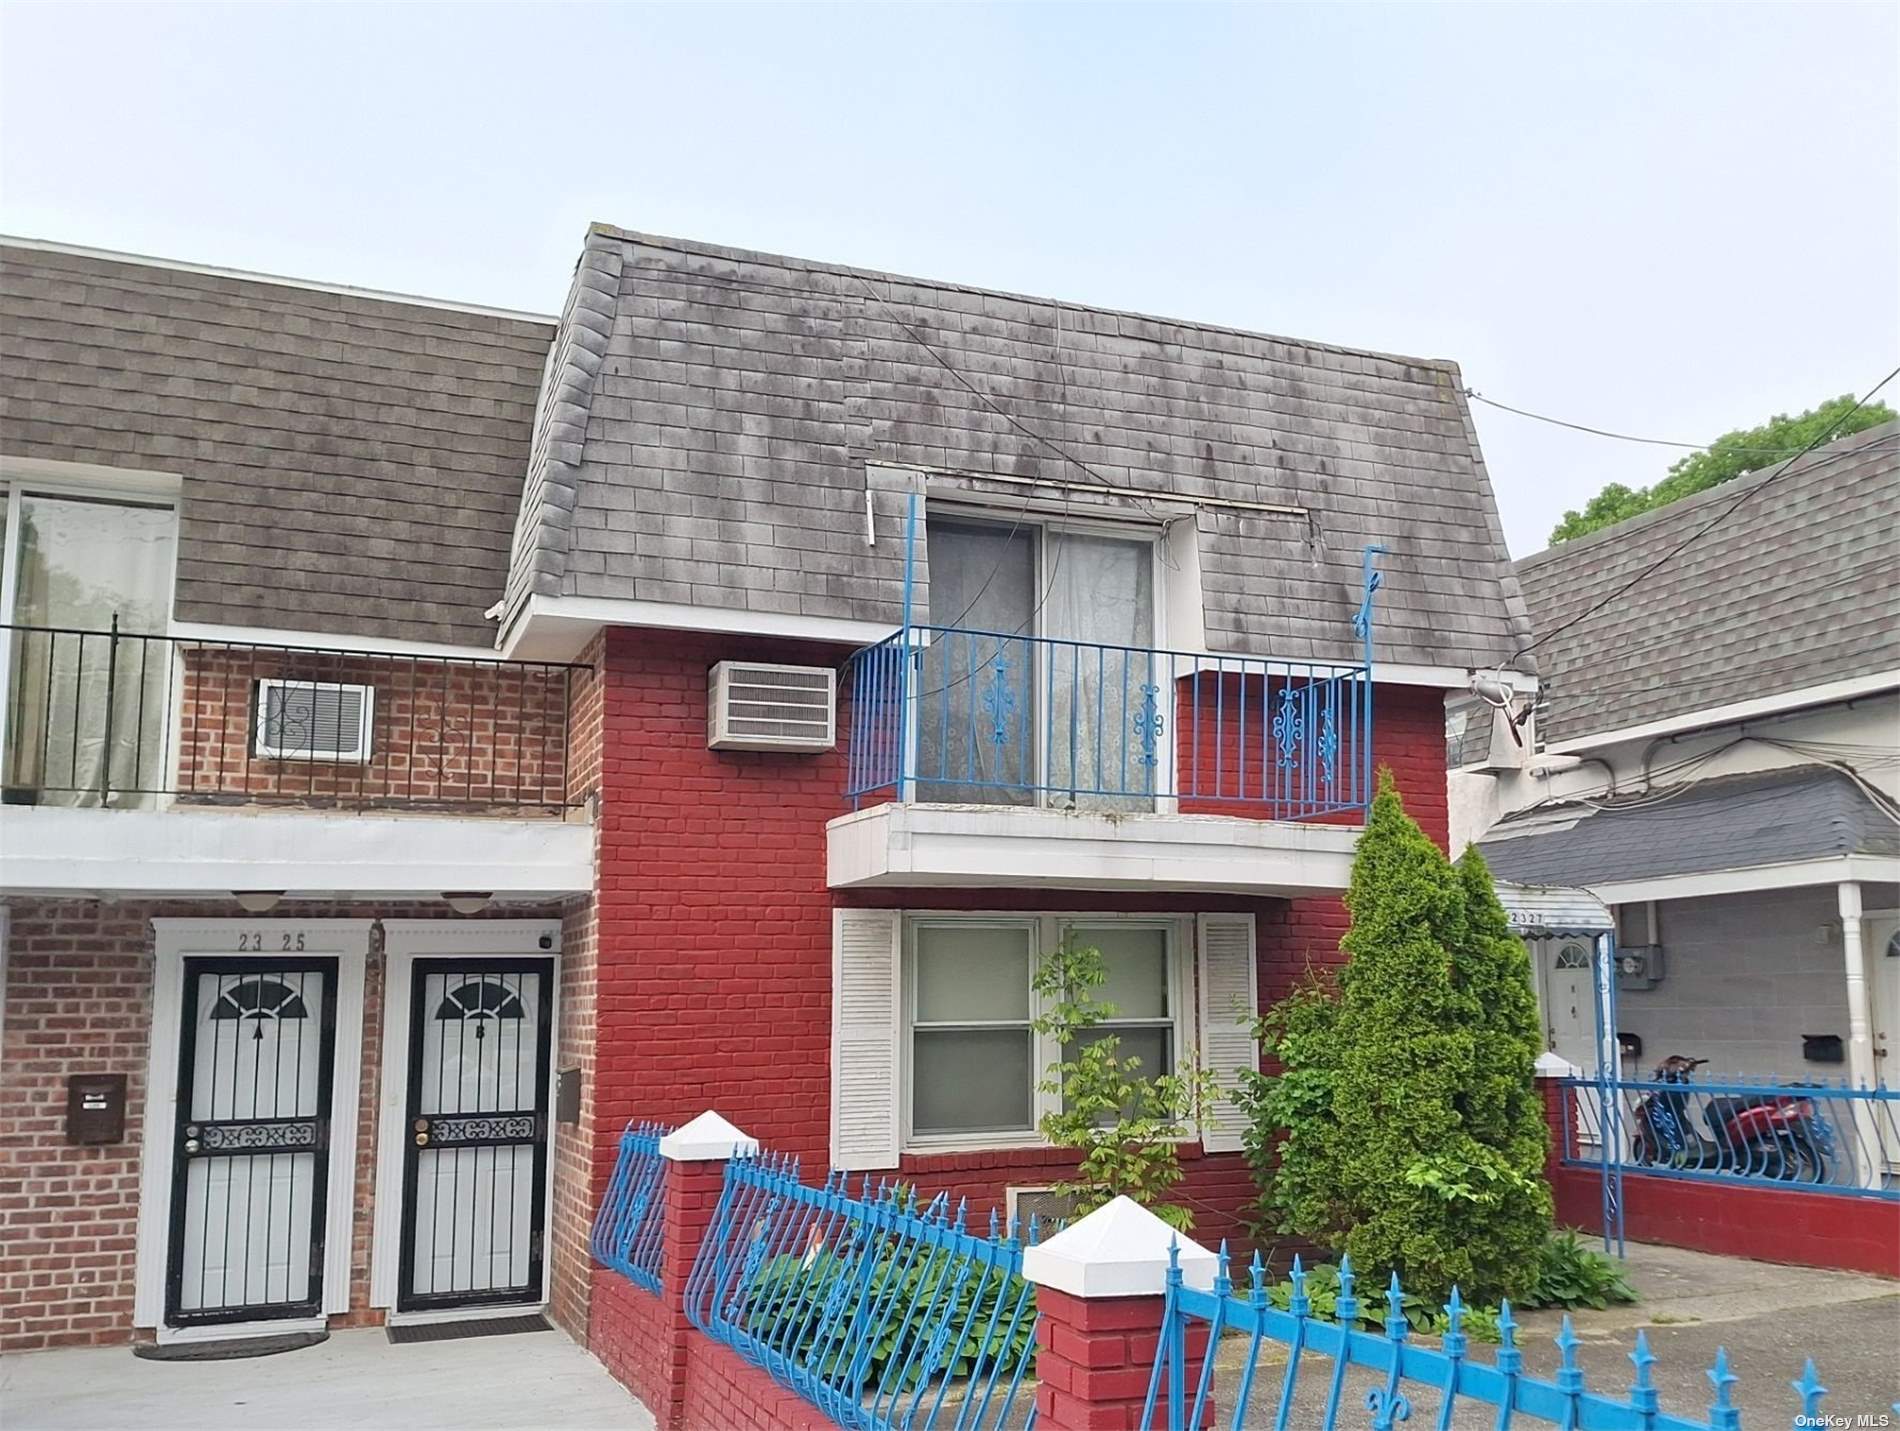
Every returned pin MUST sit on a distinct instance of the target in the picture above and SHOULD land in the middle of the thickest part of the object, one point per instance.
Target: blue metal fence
(629, 1228)
(1397, 1380)
(879, 1312)
(1815, 1136)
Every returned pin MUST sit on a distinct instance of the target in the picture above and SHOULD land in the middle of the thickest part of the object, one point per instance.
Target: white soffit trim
(203, 852)
(1801, 698)
(557, 628)
(177, 265)
(328, 643)
(961, 846)
(1870, 869)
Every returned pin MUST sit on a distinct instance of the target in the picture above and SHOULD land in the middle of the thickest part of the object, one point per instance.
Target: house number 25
(253, 942)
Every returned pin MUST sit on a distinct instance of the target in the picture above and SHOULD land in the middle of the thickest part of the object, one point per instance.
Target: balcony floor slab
(49, 850)
(978, 846)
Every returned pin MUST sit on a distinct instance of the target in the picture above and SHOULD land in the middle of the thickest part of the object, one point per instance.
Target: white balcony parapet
(973, 846)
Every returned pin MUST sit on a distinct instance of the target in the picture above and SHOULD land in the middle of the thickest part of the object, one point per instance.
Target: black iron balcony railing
(118, 719)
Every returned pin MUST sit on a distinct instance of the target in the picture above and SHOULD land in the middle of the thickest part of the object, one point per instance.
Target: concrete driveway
(355, 1381)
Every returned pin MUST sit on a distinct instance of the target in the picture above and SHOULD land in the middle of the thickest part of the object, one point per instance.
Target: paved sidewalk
(355, 1381)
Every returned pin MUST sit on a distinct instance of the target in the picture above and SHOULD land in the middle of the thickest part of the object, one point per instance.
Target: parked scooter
(1768, 1135)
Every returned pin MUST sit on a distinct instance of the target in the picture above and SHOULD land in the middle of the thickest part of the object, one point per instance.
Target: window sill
(938, 1157)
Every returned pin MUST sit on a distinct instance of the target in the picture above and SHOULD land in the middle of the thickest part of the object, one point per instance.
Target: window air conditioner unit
(314, 720)
(760, 707)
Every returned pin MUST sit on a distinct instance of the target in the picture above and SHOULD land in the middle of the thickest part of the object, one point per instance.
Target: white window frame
(21, 477)
(1044, 524)
(366, 722)
(1046, 933)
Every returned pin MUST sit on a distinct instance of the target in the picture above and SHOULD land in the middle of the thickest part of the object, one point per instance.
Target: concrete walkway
(355, 1381)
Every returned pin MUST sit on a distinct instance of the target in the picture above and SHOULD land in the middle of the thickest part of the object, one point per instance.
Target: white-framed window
(979, 1061)
(84, 552)
(1041, 647)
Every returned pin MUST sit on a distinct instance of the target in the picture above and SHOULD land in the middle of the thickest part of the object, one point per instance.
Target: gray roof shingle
(1796, 588)
(711, 420)
(351, 463)
(1735, 822)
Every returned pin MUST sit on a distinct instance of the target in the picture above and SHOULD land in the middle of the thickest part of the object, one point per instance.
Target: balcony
(983, 758)
(154, 762)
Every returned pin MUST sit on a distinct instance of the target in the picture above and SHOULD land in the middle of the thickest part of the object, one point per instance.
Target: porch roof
(1738, 822)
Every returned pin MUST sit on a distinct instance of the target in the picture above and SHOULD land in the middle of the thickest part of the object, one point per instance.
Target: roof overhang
(559, 628)
(1840, 869)
(1010, 847)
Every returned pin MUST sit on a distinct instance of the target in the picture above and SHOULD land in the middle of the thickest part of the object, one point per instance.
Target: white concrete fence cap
(708, 1138)
(1119, 1250)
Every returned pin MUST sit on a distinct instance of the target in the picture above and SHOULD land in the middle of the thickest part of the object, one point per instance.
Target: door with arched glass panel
(250, 1161)
(475, 1174)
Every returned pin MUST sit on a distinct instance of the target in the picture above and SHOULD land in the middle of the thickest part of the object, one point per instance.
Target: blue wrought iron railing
(629, 1228)
(948, 715)
(952, 715)
(1814, 1136)
(1395, 1379)
(880, 1313)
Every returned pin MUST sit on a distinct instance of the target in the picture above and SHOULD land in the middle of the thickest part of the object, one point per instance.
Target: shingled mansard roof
(351, 462)
(1794, 589)
(710, 420)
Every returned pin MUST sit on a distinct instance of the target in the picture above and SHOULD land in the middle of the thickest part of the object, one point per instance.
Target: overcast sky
(1666, 220)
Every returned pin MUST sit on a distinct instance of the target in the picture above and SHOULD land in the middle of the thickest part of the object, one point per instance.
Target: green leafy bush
(1124, 1123)
(1403, 1124)
(1570, 1274)
(790, 1291)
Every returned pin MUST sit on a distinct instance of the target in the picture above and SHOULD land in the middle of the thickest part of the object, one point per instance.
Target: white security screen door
(251, 1161)
(474, 1194)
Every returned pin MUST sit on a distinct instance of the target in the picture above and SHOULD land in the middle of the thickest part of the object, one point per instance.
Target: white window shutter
(1229, 995)
(864, 1032)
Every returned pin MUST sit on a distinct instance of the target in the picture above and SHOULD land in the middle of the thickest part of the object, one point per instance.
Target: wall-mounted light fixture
(257, 901)
(467, 901)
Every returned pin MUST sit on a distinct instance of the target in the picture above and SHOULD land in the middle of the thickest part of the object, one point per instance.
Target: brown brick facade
(79, 979)
(467, 735)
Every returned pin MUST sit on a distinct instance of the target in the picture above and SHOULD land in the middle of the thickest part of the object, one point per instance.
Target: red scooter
(1767, 1135)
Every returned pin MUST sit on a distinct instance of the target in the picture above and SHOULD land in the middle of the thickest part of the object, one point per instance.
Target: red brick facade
(714, 924)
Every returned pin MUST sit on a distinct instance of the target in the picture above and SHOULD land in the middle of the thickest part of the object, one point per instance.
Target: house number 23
(253, 942)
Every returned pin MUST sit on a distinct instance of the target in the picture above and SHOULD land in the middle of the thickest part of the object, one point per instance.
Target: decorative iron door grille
(251, 1160)
(475, 1170)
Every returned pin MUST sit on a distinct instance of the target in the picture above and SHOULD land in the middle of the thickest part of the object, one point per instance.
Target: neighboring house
(1716, 755)
(903, 631)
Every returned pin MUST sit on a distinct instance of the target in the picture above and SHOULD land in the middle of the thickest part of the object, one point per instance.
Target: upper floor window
(1040, 650)
(77, 720)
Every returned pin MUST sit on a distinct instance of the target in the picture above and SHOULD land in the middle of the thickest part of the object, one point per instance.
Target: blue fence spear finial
(1722, 1413)
(1810, 1390)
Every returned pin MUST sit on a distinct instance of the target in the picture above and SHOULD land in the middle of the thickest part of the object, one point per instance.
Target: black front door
(251, 1153)
(475, 1170)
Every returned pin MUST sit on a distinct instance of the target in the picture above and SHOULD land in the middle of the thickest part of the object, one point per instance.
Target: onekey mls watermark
(1844, 1421)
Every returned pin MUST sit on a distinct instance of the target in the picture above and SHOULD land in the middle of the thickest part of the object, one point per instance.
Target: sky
(1669, 220)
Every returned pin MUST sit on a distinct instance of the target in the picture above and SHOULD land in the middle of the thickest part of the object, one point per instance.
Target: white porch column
(1860, 1041)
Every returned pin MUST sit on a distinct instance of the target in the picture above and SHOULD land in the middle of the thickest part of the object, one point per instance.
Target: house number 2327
(253, 942)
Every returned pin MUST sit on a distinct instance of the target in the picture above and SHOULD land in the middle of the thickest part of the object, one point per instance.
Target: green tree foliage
(1403, 1125)
(1728, 457)
(1123, 1123)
